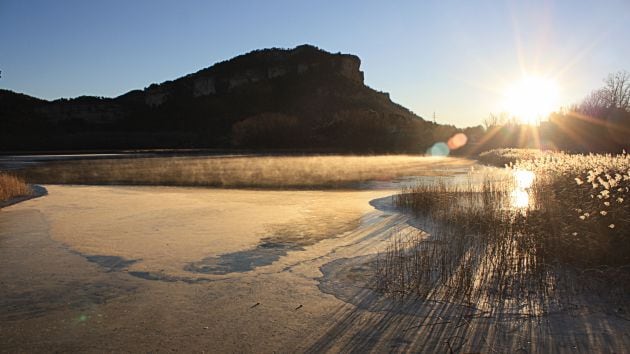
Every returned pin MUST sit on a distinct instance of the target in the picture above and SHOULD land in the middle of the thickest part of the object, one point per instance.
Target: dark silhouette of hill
(302, 98)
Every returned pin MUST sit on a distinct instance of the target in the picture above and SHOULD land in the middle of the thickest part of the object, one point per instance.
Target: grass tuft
(12, 186)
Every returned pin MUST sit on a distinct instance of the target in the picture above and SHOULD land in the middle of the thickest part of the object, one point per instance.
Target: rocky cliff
(255, 68)
(303, 98)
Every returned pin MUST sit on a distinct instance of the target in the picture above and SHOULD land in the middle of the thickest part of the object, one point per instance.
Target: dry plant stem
(12, 186)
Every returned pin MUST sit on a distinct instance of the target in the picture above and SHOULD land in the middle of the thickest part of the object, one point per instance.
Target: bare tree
(614, 94)
(617, 90)
(491, 121)
(595, 104)
(495, 120)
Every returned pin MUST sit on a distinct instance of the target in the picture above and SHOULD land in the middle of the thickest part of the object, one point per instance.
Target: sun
(532, 99)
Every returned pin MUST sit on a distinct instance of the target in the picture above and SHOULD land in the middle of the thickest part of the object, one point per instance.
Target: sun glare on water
(523, 182)
(532, 99)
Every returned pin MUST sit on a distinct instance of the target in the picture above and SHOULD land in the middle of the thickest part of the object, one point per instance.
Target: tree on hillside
(268, 130)
(617, 90)
(614, 95)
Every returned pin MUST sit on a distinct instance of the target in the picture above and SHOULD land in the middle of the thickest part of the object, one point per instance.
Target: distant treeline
(600, 123)
(369, 127)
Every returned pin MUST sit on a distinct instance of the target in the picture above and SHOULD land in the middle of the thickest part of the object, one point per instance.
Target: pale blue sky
(451, 57)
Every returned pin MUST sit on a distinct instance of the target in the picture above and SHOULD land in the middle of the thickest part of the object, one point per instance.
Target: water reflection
(522, 183)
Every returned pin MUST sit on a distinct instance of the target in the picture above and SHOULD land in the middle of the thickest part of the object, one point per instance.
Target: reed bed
(527, 237)
(502, 157)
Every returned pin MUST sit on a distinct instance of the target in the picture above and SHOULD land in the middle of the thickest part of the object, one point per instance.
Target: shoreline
(37, 191)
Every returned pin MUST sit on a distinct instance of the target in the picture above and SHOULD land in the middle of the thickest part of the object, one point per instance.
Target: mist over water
(273, 172)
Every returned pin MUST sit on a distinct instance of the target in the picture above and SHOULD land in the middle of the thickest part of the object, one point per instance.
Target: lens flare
(439, 150)
(456, 141)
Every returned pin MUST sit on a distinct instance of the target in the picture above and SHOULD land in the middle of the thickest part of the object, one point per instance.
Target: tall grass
(506, 156)
(243, 171)
(590, 194)
(489, 243)
(12, 186)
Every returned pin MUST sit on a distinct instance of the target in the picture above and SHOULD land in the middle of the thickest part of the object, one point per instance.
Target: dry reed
(486, 245)
(243, 171)
(12, 186)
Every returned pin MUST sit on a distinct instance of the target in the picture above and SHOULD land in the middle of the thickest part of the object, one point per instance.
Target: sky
(454, 58)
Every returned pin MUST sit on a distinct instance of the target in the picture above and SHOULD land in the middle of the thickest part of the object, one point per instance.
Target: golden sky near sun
(532, 98)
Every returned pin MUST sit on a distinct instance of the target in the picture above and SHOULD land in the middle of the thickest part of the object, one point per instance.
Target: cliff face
(269, 65)
(314, 92)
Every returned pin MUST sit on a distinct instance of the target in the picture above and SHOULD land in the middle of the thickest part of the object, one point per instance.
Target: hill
(302, 98)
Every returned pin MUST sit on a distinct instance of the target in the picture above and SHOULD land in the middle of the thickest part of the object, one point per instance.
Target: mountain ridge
(302, 98)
